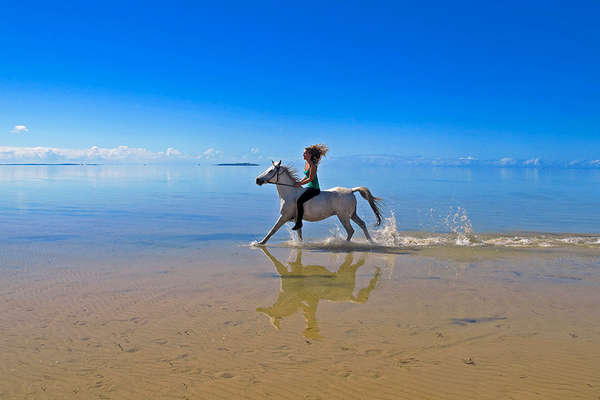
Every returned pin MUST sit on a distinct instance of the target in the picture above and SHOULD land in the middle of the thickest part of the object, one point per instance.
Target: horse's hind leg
(346, 224)
(362, 225)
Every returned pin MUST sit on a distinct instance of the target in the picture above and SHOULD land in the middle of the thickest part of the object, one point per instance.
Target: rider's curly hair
(316, 152)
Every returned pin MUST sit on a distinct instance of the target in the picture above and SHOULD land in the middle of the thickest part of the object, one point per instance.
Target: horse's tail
(374, 202)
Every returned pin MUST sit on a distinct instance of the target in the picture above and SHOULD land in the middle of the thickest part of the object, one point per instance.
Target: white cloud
(254, 150)
(19, 129)
(211, 154)
(120, 154)
(172, 152)
(534, 162)
(506, 161)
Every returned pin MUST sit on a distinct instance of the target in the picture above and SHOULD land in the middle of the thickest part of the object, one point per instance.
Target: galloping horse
(335, 201)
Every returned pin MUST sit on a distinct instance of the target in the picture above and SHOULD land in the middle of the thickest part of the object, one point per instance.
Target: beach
(236, 321)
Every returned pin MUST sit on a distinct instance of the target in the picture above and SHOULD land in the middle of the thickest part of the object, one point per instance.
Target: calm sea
(191, 204)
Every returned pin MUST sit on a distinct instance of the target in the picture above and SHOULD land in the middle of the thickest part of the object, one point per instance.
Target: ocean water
(190, 205)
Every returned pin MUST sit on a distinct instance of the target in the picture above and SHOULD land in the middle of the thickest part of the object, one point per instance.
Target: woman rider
(312, 155)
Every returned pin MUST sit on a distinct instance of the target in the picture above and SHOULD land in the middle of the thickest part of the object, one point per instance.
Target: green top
(314, 183)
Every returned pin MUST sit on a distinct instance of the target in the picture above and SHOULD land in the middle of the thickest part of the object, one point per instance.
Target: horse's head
(269, 173)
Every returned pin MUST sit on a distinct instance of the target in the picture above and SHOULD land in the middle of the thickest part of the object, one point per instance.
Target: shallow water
(187, 204)
(141, 282)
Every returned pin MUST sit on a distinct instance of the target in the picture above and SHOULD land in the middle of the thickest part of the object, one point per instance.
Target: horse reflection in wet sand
(303, 286)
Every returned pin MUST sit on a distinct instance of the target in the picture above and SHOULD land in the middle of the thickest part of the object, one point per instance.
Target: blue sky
(437, 79)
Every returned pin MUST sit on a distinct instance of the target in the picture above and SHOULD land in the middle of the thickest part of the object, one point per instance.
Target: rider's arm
(311, 175)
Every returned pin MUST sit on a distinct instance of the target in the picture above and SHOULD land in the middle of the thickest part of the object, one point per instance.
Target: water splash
(458, 232)
(458, 222)
(294, 237)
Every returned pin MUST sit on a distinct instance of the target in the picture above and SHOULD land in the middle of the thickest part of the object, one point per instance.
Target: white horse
(335, 201)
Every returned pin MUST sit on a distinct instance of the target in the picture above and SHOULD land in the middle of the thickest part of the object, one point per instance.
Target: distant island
(239, 164)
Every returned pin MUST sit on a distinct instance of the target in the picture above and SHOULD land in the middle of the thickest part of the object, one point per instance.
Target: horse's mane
(291, 171)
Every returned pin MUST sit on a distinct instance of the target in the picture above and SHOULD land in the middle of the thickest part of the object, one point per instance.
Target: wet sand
(228, 321)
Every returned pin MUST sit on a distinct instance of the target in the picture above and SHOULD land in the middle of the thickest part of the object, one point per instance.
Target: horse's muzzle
(259, 182)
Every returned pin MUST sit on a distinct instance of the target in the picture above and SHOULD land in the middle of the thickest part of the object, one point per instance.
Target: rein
(279, 183)
(282, 184)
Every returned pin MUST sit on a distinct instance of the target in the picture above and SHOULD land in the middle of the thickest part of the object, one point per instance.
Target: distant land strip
(241, 164)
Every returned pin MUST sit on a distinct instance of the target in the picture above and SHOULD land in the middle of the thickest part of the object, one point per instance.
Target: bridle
(277, 179)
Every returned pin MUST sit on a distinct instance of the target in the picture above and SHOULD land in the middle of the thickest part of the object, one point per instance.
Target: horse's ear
(272, 162)
(279, 163)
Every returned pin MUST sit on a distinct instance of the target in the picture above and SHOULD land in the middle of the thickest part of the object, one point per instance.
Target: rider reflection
(303, 286)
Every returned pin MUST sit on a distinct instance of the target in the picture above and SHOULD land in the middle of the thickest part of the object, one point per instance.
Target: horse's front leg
(282, 220)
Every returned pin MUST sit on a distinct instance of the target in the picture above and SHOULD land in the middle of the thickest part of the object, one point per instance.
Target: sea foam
(459, 233)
